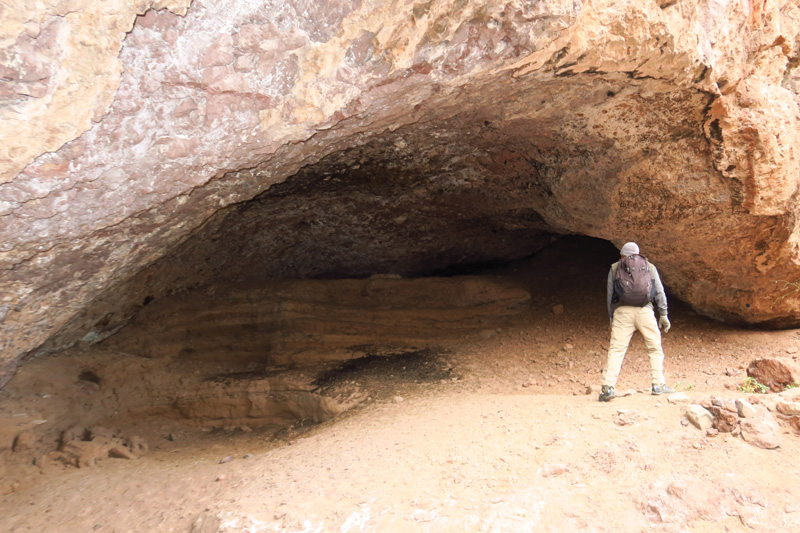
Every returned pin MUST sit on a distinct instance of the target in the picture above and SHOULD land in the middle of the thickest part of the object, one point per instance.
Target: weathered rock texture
(274, 354)
(295, 322)
(380, 136)
(775, 373)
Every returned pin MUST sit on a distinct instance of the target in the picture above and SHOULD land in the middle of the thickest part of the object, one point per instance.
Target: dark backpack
(633, 283)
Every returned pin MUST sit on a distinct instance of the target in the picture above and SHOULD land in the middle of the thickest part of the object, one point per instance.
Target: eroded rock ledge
(238, 140)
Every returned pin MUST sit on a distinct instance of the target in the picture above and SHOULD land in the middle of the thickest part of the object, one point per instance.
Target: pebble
(553, 469)
(227, 459)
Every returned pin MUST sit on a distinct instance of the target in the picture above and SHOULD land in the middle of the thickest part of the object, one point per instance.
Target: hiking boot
(606, 394)
(662, 389)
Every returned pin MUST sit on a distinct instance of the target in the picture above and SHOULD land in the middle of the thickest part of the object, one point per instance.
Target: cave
(228, 219)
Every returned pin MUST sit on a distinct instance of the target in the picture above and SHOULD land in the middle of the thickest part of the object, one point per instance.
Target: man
(626, 318)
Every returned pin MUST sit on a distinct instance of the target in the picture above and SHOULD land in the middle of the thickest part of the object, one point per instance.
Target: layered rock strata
(378, 136)
(256, 357)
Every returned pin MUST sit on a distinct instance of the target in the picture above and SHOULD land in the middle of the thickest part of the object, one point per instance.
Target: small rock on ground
(700, 417)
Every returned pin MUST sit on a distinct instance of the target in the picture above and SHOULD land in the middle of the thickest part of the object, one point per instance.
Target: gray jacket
(660, 297)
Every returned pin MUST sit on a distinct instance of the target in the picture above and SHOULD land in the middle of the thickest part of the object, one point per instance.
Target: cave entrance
(256, 352)
(272, 353)
(441, 237)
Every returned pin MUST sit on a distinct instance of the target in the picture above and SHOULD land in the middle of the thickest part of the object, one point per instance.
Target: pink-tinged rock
(34, 90)
(185, 108)
(246, 63)
(170, 37)
(360, 49)
(149, 20)
(214, 77)
(175, 148)
(756, 147)
(56, 169)
(219, 53)
(251, 36)
(762, 430)
(268, 42)
(36, 66)
(150, 83)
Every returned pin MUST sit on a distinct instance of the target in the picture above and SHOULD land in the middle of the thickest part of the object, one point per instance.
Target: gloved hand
(663, 323)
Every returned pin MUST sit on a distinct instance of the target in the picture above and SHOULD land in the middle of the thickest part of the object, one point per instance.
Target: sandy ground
(503, 436)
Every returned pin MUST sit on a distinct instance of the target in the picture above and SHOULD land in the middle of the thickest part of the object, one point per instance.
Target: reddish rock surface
(775, 373)
(328, 138)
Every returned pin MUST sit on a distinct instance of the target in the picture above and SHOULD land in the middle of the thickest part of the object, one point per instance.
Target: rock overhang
(407, 139)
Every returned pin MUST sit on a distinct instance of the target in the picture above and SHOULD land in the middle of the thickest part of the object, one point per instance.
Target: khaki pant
(628, 319)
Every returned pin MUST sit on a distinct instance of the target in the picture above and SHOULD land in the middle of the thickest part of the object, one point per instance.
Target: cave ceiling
(215, 141)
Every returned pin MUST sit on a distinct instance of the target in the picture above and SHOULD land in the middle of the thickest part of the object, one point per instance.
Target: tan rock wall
(61, 70)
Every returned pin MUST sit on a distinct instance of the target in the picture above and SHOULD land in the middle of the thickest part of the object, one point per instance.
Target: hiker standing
(633, 285)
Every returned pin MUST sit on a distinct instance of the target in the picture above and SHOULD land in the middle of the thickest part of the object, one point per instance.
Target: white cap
(630, 248)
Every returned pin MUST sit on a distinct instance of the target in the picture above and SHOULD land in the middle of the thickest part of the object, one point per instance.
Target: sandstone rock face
(155, 145)
(60, 70)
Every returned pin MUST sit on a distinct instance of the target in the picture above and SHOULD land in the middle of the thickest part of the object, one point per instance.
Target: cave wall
(387, 136)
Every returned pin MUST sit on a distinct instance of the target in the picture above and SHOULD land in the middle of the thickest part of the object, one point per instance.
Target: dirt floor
(496, 430)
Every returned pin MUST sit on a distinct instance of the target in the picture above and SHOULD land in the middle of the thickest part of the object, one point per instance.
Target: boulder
(761, 430)
(700, 417)
(724, 420)
(775, 373)
(745, 409)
